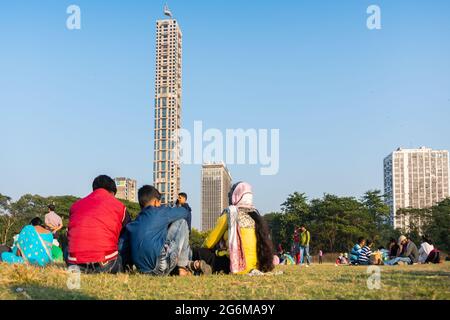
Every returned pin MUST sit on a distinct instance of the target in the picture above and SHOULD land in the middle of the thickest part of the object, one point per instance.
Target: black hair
(182, 194)
(369, 242)
(302, 226)
(427, 239)
(392, 240)
(104, 182)
(51, 207)
(36, 222)
(264, 245)
(146, 194)
(230, 194)
(360, 239)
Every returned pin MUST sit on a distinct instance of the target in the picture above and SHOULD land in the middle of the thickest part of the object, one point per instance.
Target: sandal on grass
(200, 266)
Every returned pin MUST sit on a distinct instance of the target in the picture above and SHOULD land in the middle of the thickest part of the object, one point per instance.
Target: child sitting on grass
(366, 252)
(356, 251)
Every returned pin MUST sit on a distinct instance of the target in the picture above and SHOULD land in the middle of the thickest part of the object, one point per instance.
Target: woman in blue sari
(33, 245)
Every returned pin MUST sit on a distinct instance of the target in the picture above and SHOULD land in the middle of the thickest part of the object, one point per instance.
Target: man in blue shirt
(157, 242)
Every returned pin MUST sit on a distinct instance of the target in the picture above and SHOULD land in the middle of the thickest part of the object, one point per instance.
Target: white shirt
(424, 251)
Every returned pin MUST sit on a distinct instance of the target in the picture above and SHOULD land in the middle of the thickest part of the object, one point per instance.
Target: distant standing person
(296, 249)
(320, 256)
(305, 238)
(52, 220)
(182, 202)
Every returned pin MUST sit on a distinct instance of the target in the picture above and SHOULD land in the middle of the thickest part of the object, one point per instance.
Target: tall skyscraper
(415, 178)
(216, 183)
(166, 166)
(126, 189)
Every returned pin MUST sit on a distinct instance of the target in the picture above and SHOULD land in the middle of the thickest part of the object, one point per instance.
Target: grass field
(317, 282)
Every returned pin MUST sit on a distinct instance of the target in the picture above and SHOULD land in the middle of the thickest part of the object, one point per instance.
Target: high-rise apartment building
(166, 166)
(415, 178)
(216, 183)
(126, 189)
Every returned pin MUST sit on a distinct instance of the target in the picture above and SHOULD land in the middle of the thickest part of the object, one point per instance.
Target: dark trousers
(112, 266)
(218, 264)
(320, 259)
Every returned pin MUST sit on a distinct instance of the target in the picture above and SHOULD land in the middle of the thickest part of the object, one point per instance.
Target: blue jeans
(397, 260)
(304, 251)
(176, 251)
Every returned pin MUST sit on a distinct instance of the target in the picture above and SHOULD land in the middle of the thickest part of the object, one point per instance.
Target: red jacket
(94, 228)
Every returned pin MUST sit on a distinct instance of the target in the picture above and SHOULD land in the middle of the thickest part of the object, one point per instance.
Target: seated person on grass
(345, 258)
(356, 251)
(394, 249)
(342, 259)
(339, 259)
(33, 245)
(425, 249)
(409, 253)
(240, 241)
(95, 225)
(366, 252)
(157, 242)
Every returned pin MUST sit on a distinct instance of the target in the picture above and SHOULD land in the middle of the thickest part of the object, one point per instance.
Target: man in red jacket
(95, 225)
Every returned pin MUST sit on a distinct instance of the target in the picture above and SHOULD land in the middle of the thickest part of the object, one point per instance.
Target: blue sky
(75, 104)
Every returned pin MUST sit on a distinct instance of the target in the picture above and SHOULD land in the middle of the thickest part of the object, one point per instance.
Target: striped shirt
(365, 255)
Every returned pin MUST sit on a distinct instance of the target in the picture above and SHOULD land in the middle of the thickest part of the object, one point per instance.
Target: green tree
(7, 219)
(197, 238)
(277, 228)
(294, 212)
(379, 227)
(296, 204)
(417, 219)
(337, 221)
(438, 226)
(133, 208)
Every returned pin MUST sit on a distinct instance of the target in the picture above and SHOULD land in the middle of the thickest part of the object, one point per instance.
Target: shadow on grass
(42, 292)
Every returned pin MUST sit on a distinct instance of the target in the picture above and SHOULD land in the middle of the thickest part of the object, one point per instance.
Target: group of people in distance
(299, 253)
(102, 238)
(401, 252)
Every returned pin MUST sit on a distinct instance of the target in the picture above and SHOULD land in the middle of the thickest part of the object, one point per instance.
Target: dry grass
(318, 282)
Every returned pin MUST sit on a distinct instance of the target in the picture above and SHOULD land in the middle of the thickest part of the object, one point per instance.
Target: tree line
(14, 215)
(335, 223)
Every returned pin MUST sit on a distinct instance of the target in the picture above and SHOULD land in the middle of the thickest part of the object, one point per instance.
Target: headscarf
(241, 197)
